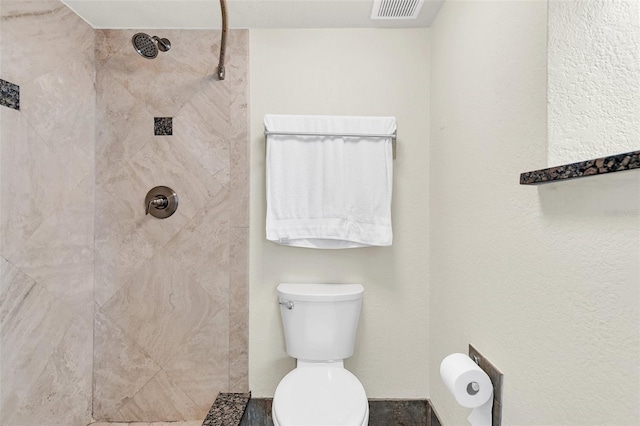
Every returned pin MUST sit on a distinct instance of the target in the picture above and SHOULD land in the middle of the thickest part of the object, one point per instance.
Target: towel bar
(393, 136)
(347, 135)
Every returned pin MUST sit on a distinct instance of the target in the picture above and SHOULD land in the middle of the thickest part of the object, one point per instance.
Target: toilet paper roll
(468, 383)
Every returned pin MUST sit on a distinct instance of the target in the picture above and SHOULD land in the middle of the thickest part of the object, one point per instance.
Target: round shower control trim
(161, 202)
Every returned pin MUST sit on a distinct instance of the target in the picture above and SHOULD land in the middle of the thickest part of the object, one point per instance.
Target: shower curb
(227, 410)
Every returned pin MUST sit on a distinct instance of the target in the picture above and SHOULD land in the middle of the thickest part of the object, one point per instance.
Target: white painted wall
(594, 79)
(205, 14)
(543, 280)
(349, 72)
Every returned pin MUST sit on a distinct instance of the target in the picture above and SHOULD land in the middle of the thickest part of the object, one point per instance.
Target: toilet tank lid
(320, 292)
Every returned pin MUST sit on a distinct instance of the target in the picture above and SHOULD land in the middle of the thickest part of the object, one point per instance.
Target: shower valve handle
(159, 203)
(164, 201)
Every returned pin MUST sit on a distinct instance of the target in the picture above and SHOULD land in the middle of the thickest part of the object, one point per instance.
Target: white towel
(329, 191)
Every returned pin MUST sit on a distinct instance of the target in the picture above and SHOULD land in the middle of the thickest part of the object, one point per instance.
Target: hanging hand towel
(329, 191)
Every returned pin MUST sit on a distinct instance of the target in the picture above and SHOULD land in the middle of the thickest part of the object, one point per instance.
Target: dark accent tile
(258, 413)
(380, 413)
(163, 126)
(227, 410)
(398, 412)
(597, 166)
(9, 94)
(433, 419)
(387, 412)
(497, 379)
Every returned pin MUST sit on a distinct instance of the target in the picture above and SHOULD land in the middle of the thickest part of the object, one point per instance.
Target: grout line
(129, 399)
(181, 390)
(231, 257)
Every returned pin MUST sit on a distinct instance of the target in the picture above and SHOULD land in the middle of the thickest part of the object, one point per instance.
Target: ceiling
(205, 14)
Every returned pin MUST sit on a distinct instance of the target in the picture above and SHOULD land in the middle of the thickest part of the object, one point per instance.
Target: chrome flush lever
(288, 304)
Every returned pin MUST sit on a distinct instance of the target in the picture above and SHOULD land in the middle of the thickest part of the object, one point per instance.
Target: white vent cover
(396, 9)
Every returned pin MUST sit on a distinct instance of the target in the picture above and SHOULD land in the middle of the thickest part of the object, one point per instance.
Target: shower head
(148, 46)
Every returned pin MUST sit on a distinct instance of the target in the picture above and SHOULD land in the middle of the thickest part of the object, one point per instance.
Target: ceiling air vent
(396, 9)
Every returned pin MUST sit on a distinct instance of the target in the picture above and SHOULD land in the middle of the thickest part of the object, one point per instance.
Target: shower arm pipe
(223, 40)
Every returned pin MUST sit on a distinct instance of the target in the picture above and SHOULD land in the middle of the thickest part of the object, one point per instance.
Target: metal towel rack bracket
(393, 136)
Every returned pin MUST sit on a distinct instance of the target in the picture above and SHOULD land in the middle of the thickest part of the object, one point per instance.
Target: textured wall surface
(46, 216)
(594, 79)
(171, 295)
(348, 72)
(542, 280)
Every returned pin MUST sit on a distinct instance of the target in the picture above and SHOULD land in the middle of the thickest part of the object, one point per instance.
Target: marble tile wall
(46, 215)
(170, 295)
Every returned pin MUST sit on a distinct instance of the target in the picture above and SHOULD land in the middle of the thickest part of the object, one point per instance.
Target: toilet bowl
(320, 323)
(321, 395)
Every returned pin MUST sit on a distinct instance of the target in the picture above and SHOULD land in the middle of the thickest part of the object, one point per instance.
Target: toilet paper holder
(475, 383)
(473, 388)
(497, 379)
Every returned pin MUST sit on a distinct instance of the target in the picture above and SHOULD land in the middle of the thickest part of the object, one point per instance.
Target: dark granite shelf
(597, 166)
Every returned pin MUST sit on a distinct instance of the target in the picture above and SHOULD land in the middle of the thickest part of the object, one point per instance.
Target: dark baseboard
(258, 413)
(433, 419)
(382, 412)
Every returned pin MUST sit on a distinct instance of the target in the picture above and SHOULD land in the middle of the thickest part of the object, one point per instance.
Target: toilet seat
(320, 396)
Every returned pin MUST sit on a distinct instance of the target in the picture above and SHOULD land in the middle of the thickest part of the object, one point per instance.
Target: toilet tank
(320, 320)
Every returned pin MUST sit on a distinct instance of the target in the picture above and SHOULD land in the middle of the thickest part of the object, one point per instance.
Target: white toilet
(320, 323)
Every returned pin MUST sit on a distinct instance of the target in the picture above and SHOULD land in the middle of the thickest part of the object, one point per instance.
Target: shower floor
(227, 409)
